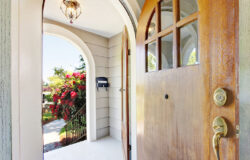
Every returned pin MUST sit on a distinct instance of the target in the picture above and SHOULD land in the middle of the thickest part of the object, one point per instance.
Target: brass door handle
(220, 130)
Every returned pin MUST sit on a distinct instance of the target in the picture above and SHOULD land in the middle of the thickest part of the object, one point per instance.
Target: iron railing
(76, 127)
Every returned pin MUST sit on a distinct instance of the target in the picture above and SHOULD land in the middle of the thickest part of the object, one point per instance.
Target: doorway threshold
(106, 148)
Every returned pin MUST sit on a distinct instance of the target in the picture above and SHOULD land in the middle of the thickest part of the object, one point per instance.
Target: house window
(172, 35)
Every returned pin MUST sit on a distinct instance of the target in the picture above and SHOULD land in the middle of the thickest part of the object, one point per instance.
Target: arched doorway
(26, 67)
(59, 31)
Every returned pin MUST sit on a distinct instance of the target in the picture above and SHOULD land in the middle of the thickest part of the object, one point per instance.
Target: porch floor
(106, 148)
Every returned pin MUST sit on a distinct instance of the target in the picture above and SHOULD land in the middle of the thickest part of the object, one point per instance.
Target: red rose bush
(71, 97)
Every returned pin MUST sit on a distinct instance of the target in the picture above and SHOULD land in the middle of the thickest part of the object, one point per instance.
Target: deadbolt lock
(220, 97)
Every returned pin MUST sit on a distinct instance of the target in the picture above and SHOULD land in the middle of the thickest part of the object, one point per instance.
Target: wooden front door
(186, 49)
(125, 94)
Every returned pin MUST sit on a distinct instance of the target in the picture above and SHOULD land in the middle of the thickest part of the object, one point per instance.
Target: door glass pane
(167, 51)
(151, 57)
(166, 13)
(152, 26)
(188, 7)
(189, 44)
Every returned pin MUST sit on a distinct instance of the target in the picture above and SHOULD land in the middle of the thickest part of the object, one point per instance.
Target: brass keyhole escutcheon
(220, 97)
(220, 130)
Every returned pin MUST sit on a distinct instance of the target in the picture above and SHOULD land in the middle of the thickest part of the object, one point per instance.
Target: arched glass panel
(151, 57)
(188, 7)
(189, 44)
(166, 13)
(172, 41)
(167, 52)
(152, 26)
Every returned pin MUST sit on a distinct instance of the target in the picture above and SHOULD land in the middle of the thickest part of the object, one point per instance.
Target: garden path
(51, 136)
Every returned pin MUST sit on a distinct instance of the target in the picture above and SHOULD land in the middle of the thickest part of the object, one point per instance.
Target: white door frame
(61, 32)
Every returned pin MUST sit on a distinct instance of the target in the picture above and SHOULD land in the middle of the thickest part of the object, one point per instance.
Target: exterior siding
(5, 83)
(115, 85)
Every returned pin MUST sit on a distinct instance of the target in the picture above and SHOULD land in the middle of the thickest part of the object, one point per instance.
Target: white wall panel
(115, 61)
(102, 71)
(115, 103)
(102, 123)
(103, 132)
(115, 133)
(102, 113)
(101, 61)
(102, 93)
(115, 85)
(115, 82)
(102, 102)
(115, 123)
(115, 40)
(113, 51)
(114, 93)
(115, 71)
(115, 113)
(98, 50)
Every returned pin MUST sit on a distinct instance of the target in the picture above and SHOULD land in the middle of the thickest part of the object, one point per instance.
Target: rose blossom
(55, 97)
(76, 74)
(64, 94)
(52, 106)
(67, 111)
(82, 76)
(68, 76)
(82, 87)
(73, 94)
(71, 103)
(62, 101)
(65, 117)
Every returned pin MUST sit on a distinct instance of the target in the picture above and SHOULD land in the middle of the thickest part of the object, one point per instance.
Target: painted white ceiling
(98, 16)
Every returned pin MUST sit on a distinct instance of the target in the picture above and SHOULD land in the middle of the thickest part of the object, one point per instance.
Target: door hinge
(129, 52)
(237, 131)
(129, 147)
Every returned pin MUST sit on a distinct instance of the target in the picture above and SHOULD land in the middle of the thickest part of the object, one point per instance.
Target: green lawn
(47, 116)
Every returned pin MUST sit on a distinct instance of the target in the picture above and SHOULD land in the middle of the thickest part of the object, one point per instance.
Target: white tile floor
(104, 149)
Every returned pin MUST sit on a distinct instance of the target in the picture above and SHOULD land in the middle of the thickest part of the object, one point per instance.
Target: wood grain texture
(5, 83)
(180, 127)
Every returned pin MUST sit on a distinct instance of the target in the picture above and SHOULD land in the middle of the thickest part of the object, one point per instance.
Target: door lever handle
(220, 130)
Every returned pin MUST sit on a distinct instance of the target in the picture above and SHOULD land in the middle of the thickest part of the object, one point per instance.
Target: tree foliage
(82, 67)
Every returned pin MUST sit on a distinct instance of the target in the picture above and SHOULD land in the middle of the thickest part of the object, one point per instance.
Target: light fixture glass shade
(71, 9)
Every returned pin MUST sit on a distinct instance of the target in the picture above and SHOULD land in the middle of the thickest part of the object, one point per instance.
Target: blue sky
(58, 52)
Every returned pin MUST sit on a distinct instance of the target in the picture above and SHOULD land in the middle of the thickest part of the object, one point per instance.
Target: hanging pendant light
(71, 9)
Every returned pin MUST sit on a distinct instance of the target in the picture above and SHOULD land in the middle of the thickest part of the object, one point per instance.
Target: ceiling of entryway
(98, 16)
(141, 3)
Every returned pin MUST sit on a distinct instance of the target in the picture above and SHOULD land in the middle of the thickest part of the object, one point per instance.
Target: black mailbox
(102, 82)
